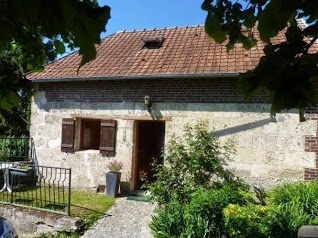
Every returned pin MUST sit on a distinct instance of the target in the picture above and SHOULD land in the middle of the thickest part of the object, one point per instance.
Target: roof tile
(185, 50)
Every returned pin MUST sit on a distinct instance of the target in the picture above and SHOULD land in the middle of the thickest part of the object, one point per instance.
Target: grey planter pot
(112, 183)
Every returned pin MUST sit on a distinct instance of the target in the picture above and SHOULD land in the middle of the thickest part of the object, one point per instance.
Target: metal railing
(39, 187)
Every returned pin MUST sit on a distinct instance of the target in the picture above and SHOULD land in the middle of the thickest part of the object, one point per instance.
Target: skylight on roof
(152, 42)
(247, 32)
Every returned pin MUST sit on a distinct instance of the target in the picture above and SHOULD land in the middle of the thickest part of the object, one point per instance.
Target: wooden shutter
(67, 144)
(107, 144)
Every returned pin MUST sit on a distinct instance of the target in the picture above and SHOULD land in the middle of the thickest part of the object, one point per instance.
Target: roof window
(248, 33)
(152, 42)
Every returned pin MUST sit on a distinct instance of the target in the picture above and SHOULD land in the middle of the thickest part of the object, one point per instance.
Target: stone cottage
(84, 120)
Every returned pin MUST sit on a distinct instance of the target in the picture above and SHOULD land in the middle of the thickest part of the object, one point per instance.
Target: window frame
(105, 138)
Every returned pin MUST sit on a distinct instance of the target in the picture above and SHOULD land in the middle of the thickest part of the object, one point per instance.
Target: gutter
(145, 76)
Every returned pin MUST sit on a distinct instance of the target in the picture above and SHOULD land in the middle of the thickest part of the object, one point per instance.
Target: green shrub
(14, 149)
(289, 206)
(168, 221)
(302, 194)
(249, 221)
(192, 163)
(294, 205)
(201, 217)
(206, 208)
(193, 187)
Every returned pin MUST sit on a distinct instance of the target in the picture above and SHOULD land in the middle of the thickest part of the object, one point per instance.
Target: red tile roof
(184, 51)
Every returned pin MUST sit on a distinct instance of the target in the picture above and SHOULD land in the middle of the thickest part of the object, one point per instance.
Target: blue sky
(141, 14)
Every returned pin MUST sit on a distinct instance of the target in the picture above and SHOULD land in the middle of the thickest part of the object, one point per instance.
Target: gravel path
(126, 219)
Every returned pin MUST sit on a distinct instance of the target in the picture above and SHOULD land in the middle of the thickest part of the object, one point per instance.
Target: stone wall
(268, 152)
(32, 223)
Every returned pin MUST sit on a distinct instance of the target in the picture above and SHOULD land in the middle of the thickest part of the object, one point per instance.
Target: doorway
(150, 136)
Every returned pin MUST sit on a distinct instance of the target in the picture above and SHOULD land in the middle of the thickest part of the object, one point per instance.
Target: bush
(206, 210)
(294, 205)
(201, 217)
(193, 163)
(193, 187)
(289, 206)
(14, 149)
(248, 221)
(168, 221)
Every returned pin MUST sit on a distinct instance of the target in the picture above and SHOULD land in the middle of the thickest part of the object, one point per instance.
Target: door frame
(135, 157)
(135, 150)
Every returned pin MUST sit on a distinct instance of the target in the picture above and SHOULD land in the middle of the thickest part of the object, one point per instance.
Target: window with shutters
(92, 135)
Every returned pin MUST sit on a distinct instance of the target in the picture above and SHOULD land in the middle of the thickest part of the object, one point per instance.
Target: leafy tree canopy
(15, 94)
(289, 69)
(40, 29)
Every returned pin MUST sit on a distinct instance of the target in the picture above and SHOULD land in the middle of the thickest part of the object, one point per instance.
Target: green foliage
(34, 32)
(289, 207)
(168, 221)
(205, 211)
(199, 198)
(12, 84)
(193, 187)
(76, 23)
(289, 69)
(303, 194)
(14, 149)
(195, 162)
(247, 221)
(295, 205)
(16, 120)
(201, 217)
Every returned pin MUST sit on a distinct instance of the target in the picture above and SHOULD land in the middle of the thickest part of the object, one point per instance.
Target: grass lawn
(83, 203)
(89, 206)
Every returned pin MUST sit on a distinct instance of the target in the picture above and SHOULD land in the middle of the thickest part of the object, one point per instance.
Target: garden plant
(199, 197)
(194, 186)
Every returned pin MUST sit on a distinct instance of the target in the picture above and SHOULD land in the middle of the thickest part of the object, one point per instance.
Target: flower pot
(112, 183)
(21, 172)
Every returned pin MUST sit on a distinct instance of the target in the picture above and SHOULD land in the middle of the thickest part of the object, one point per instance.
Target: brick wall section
(311, 145)
(310, 174)
(198, 90)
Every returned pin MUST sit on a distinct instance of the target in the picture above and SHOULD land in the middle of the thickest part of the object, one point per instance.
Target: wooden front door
(149, 146)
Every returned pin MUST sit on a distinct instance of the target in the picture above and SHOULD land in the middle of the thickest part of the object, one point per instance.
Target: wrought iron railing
(40, 187)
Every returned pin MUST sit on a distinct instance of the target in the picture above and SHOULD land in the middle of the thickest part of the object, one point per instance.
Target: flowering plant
(115, 166)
